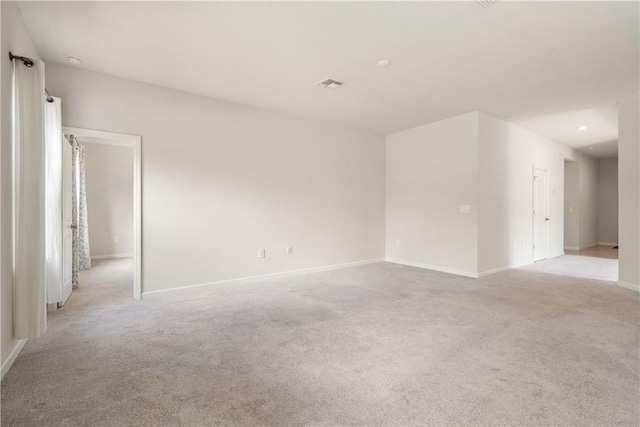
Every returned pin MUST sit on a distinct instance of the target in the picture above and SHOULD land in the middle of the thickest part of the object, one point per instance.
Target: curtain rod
(28, 62)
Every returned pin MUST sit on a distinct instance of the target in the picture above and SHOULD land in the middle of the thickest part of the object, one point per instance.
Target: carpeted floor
(381, 344)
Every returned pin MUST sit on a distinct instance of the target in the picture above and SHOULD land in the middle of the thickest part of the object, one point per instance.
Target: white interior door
(540, 217)
(67, 221)
(53, 200)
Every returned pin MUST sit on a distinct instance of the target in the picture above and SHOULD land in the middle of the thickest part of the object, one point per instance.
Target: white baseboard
(12, 357)
(435, 268)
(607, 244)
(581, 248)
(510, 267)
(113, 256)
(497, 270)
(272, 275)
(587, 246)
(628, 286)
(494, 271)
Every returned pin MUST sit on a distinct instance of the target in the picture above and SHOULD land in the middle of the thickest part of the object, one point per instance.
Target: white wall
(14, 38)
(507, 156)
(588, 216)
(571, 205)
(430, 171)
(629, 191)
(221, 180)
(581, 201)
(109, 183)
(487, 163)
(608, 201)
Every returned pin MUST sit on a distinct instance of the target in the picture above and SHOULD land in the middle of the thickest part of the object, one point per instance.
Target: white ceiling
(548, 66)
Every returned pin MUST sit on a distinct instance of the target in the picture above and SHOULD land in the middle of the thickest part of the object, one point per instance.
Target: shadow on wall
(506, 194)
(571, 205)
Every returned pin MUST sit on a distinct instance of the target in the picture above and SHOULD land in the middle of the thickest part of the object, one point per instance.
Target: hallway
(599, 251)
(598, 262)
(107, 282)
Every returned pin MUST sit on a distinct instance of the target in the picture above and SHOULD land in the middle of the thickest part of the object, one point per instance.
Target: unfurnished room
(327, 213)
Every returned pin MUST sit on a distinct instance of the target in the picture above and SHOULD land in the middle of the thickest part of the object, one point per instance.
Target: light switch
(261, 253)
(465, 209)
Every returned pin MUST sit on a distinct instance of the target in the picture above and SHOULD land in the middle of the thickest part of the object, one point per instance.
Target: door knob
(547, 219)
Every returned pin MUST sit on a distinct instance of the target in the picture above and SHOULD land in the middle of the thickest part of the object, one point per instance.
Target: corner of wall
(432, 170)
(629, 190)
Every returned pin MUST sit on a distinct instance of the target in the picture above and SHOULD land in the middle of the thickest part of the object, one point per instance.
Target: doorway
(116, 236)
(586, 256)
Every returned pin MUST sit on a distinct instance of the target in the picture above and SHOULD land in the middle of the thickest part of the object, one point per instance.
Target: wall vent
(329, 84)
(485, 3)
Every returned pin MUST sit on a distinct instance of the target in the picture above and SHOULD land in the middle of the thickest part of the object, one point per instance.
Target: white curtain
(53, 199)
(29, 300)
(81, 253)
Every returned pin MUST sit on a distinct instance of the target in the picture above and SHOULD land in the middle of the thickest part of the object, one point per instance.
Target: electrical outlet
(116, 239)
(465, 209)
(289, 250)
(262, 253)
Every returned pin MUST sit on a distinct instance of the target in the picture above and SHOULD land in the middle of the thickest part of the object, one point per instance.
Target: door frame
(546, 213)
(134, 142)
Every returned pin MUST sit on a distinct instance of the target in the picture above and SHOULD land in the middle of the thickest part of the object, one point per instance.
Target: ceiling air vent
(329, 84)
(485, 3)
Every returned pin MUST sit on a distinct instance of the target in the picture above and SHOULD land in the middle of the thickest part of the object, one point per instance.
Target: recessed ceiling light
(590, 148)
(582, 128)
(74, 60)
(384, 63)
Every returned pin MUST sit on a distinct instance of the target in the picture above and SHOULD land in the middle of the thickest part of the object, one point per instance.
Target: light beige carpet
(380, 344)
